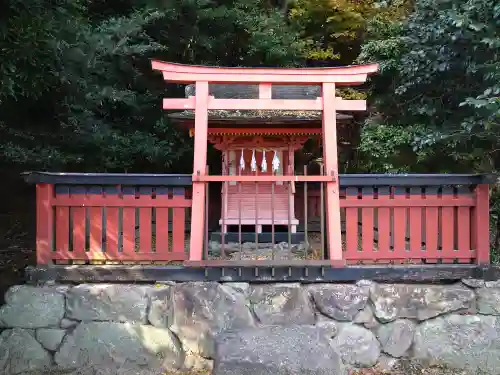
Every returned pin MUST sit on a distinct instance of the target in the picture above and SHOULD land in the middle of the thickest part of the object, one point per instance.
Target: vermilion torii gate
(328, 104)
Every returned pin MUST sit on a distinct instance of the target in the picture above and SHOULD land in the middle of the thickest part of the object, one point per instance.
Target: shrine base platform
(264, 237)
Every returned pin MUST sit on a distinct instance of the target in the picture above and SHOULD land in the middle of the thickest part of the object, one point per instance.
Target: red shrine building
(260, 143)
(262, 156)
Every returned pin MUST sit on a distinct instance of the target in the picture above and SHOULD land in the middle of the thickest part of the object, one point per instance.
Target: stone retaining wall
(239, 328)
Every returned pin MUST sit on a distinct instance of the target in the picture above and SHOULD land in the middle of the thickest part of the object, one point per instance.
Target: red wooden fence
(142, 218)
(446, 224)
(112, 223)
(428, 224)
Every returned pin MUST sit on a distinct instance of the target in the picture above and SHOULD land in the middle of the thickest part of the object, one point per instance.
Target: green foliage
(226, 33)
(388, 147)
(334, 30)
(78, 92)
(440, 68)
(30, 42)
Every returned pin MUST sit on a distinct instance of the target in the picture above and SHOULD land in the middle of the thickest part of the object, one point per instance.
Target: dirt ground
(407, 367)
(403, 368)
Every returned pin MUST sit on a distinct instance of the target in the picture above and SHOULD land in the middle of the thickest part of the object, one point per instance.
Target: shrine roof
(245, 91)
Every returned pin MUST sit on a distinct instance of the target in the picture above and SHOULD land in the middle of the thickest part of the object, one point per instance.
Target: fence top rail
(346, 180)
(144, 179)
(413, 179)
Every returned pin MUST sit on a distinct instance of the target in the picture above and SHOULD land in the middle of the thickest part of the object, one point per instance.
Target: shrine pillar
(199, 169)
(330, 160)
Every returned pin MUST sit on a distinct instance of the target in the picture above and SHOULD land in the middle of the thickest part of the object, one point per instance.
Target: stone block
(393, 301)
(32, 307)
(357, 346)
(120, 346)
(275, 304)
(50, 338)
(108, 302)
(488, 301)
(396, 337)
(276, 350)
(460, 341)
(339, 301)
(200, 311)
(21, 353)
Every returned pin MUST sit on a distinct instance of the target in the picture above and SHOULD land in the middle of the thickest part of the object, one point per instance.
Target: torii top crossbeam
(345, 75)
(339, 76)
(328, 104)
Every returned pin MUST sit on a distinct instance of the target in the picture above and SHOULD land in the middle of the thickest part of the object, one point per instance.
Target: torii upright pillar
(199, 168)
(330, 160)
(329, 78)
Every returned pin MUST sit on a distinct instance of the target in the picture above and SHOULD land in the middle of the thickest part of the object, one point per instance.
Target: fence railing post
(481, 224)
(44, 223)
